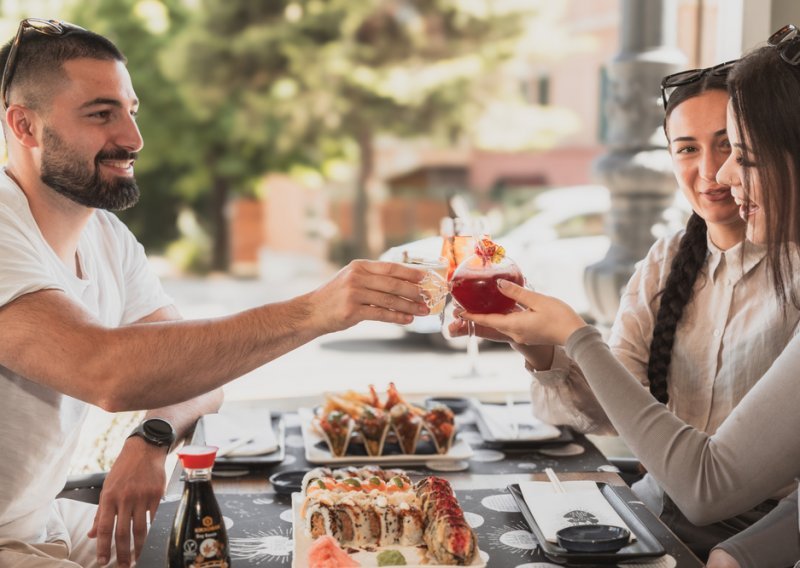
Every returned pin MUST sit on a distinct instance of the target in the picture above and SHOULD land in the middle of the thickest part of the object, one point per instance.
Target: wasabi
(391, 558)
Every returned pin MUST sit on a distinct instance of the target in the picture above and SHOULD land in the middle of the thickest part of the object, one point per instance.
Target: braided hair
(684, 269)
(676, 294)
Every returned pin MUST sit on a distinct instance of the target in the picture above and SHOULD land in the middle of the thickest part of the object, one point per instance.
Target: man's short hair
(40, 58)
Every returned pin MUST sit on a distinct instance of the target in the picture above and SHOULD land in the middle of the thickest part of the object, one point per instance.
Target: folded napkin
(582, 503)
(514, 422)
(248, 432)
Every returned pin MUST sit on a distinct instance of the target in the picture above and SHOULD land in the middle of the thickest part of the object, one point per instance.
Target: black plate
(645, 546)
(564, 437)
(457, 404)
(593, 538)
(287, 482)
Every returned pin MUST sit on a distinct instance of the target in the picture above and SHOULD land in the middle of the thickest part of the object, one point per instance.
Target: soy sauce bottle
(199, 538)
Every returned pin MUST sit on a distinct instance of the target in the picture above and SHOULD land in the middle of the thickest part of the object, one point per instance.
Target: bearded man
(84, 321)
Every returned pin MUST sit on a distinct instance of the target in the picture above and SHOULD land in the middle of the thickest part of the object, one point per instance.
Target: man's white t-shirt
(40, 426)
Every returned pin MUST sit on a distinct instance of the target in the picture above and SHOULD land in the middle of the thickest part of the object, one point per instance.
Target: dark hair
(685, 266)
(40, 60)
(764, 91)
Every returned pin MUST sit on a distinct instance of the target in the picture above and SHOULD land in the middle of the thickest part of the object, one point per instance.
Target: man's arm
(49, 339)
(135, 484)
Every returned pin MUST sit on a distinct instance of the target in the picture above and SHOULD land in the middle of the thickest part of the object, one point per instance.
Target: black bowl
(593, 538)
(457, 404)
(287, 482)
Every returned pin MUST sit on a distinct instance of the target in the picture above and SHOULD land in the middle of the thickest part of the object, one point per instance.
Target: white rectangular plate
(460, 450)
(415, 557)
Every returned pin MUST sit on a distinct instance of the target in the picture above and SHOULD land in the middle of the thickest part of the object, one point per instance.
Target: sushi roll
(314, 474)
(320, 518)
(382, 522)
(412, 525)
(451, 540)
(352, 522)
(430, 487)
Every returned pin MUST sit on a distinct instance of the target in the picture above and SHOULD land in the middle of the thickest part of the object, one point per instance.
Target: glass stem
(472, 349)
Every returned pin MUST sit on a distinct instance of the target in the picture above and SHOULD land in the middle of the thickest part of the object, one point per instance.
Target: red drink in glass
(477, 291)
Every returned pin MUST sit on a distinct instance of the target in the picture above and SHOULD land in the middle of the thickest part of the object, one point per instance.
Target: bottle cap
(197, 457)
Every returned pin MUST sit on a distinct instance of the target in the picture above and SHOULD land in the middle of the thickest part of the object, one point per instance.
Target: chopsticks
(551, 475)
(234, 444)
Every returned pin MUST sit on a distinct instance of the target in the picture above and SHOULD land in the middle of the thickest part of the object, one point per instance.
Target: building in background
(547, 133)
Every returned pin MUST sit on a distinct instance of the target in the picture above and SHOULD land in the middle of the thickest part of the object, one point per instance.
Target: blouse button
(717, 333)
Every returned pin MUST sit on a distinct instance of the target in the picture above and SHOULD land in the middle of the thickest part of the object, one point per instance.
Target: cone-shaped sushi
(441, 423)
(373, 425)
(336, 428)
(407, 425)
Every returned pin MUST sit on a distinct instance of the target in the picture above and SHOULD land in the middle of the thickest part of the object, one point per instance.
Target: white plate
(415, 556)
(460, 450)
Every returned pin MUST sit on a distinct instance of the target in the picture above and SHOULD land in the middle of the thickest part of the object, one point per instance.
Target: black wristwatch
(156, 431)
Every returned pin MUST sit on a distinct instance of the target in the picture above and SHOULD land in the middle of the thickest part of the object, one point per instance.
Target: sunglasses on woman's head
(787, 41)
(672, 82)
(52, 28)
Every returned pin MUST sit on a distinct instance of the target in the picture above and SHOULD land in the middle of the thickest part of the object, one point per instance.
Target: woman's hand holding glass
(538, 320)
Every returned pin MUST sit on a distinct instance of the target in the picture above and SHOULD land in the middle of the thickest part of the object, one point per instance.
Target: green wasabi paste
(391, 558)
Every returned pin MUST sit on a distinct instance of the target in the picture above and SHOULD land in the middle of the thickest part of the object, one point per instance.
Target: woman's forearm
(709, 477)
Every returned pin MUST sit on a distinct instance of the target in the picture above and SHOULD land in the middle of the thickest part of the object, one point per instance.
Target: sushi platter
(362, 516)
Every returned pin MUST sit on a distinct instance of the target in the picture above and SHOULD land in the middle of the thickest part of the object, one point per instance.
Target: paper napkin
(581, 504)
(248, 432)
(515, 422)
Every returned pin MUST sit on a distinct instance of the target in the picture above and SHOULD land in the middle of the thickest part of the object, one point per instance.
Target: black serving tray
(564, 437)
(645, 546)
(278, 426)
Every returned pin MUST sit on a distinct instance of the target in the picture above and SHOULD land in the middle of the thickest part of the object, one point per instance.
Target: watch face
(158, 429)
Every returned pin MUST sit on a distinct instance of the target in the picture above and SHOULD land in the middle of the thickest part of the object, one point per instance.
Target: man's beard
(67, 174)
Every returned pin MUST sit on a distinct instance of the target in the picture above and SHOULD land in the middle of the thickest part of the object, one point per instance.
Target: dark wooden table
(261, 531)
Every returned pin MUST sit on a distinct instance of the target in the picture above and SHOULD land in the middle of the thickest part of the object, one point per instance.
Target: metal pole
(637, 168)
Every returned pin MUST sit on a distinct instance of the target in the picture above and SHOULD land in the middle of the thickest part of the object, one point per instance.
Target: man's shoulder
(11, 196)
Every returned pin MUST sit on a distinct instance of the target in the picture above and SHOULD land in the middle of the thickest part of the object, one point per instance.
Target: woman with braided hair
(753, 453)
(697, 323)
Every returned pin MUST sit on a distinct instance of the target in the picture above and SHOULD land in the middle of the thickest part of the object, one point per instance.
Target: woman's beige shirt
(730, 333)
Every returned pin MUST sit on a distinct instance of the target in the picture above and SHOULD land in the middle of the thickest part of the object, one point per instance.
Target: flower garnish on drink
(474, 283)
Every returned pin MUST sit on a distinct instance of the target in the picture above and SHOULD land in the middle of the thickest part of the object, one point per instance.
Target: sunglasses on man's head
(46, 27)
(787, 41)
(672, 82)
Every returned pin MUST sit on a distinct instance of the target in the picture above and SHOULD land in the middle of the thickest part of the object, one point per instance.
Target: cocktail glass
(434, 285)
(474, 287)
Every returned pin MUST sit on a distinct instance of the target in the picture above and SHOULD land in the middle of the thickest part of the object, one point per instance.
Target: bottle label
(205, 550)
(208, 553)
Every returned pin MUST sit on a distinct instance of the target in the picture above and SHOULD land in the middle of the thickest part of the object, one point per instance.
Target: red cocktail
(478, 293)
(474, 283)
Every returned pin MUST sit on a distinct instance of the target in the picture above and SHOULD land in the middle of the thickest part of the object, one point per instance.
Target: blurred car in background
(552, 248)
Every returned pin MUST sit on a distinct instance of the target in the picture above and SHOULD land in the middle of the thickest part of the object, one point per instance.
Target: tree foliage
(232, 89)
